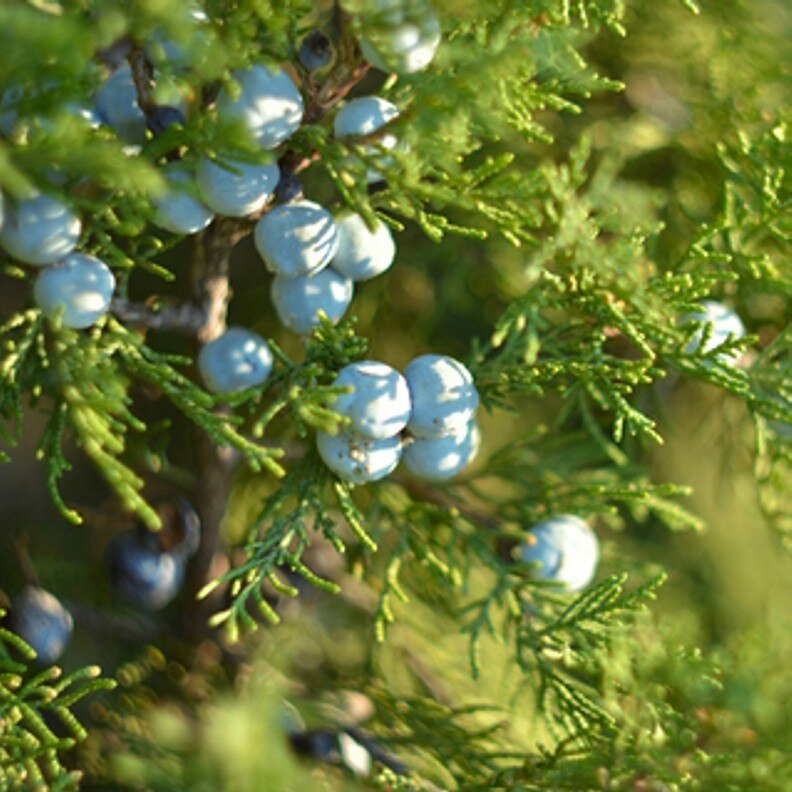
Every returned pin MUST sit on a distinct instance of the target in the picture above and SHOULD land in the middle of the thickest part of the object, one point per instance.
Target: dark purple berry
(163, 117)
(141, 571)
(315, 51)
(320, 744)
(289, 187)
(42, 622)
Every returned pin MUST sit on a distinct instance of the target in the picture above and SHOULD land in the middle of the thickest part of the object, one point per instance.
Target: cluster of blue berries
(314, 257)
(425, 418)
(43, 232)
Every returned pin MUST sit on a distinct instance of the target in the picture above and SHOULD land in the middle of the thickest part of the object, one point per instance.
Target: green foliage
(38, 725)
(569, 224)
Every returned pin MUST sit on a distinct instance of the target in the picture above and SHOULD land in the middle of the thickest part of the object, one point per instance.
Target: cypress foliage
(571, 181)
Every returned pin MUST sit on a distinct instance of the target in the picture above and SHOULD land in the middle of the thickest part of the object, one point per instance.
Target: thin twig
(185, 318)
(143, 77)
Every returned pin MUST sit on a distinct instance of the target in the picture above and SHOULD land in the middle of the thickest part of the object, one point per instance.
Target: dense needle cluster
(425, 418)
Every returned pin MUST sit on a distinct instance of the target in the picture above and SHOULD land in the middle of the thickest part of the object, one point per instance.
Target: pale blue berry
(364, 116)
(10, 120)
(163, 51)
(116, 102)
(177, 211)
(444, 397)
(143, 573)
(268, 105)
(298, 301)
(442, 458)
(39, 230)
(406, 48)
(362, 253)
(378, 405)
(356, 460)
(565, 549)
(77, 290)
(296, 239)
(236, 360)
(236, 189)
(43, 622)
(723, 322)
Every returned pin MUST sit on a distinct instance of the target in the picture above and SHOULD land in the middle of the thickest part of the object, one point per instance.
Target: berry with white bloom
(43, 622)
(298, 301)
(177, 211)
(236, 189)
(378, 405)
(365, 116)
(356, 460)
(362, 253)
(443, 395)
(723, 323)
(296, 239)
(236, 360)
(78, 290)
(405, 48)
(442, 458)
(268, 105)
(565, 549)
(39, 230)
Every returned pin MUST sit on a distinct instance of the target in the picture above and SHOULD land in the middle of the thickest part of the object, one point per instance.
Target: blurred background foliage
(704, 95)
